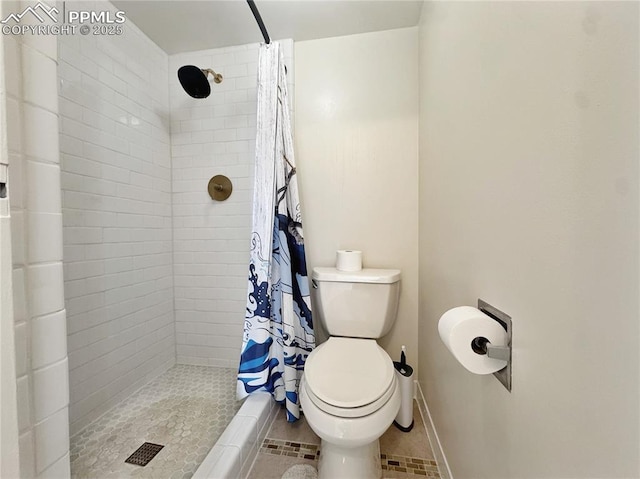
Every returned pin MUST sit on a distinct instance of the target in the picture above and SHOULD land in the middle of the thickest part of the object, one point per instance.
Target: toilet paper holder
(482, 345)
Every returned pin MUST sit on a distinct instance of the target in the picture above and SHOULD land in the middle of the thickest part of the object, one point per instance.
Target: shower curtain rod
(256, 14)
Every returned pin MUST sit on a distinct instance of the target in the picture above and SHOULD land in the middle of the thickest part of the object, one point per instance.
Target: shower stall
(124, 241)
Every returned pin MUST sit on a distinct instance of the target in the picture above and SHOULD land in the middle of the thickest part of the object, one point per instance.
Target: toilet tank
(357, 304)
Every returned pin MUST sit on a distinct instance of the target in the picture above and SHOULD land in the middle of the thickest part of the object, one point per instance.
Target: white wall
(529, 200)
(356, 139)
(36, 229)
(116, 182)
(211, 240)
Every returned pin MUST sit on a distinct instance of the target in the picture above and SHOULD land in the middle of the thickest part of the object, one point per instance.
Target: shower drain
(144, 454)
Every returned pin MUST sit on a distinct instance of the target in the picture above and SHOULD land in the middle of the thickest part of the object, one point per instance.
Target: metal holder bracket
(498, 352)
(4, 174)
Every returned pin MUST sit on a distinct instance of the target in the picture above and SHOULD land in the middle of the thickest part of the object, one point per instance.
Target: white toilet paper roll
(458, 327)
(348, 260)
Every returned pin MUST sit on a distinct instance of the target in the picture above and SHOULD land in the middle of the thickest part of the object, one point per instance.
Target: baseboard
(432, 435)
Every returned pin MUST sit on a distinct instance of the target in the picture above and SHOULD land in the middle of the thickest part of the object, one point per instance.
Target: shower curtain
(278, 327)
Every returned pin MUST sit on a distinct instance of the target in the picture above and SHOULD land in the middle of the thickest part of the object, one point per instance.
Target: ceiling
(188, 25)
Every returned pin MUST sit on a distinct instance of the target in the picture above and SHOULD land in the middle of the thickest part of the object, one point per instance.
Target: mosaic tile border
(278, 447)
(408, 465)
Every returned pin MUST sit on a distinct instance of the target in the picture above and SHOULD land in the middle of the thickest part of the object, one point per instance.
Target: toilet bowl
(349, 392)
(350, 396)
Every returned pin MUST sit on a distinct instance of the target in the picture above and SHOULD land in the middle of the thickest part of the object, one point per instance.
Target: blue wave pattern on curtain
(278, 328)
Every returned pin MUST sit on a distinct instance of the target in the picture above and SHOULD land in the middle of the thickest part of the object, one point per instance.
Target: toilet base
(339, 462)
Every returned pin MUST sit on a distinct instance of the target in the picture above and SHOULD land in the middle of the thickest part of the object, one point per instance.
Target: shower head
(195, 82)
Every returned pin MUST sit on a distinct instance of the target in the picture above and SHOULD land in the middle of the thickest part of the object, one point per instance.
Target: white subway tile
(35, 67)
(19, 295)
(21, 347)
(236, 70)
(240, 146)
(61, 469)
(82, 235)
(48, 339)
(258, 408)
(70, 146)
(225, 135)
(24, 403)
(12, 57)
(50, 389)
(18, 237)
(46, 293)
(249, 55)
(241, 433)
(14, 133)
(236, 96)
(226, 109)
(16, 184)
(51, 439)
(90, 271)
(40, 136)
(191, 125)
(249, 456)
(235, 122)
(45, 237)
(27, 454)
(205, 468)
(43, 194)
(210, 126)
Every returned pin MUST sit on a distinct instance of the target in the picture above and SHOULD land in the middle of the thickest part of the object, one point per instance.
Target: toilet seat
(352, 412)
(349, 377)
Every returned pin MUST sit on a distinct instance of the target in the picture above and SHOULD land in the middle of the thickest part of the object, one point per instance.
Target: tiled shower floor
(186, 410)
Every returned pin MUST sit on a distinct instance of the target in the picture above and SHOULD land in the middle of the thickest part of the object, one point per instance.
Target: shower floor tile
(185, 410)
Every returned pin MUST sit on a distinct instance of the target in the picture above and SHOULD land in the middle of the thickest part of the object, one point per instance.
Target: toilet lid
(349, 372)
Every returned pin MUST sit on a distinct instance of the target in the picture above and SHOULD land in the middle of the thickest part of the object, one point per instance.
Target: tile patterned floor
(186, 410)
(403, 455)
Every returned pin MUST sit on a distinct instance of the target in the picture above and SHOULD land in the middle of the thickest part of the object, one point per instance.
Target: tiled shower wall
(116, 183)
(29, 71)
(129, 201)
(214, 136)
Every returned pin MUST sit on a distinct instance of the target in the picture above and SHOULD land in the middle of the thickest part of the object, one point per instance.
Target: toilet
(349, 392)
